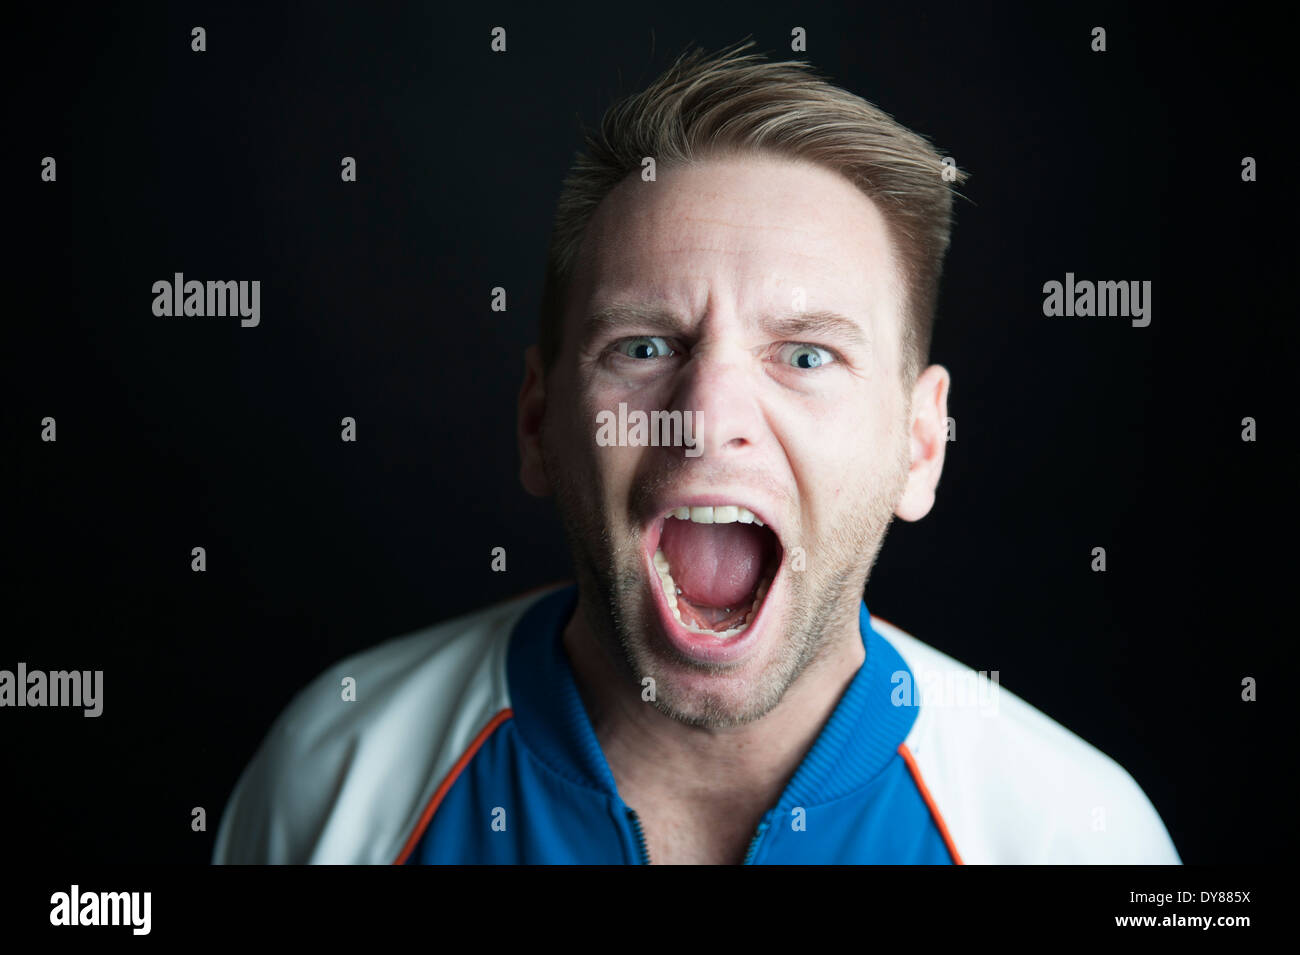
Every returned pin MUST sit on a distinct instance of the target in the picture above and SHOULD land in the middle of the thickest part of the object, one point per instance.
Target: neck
(740, 769)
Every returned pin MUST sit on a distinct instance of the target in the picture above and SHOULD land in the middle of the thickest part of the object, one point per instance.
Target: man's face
(762, 296)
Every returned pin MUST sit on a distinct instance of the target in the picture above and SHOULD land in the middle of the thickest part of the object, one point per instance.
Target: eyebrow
(815, 323)
(793, 326)
(619, 317)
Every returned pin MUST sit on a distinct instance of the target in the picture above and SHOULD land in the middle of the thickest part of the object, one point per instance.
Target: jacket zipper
(644, 853)
(641, 848)
(753, 845)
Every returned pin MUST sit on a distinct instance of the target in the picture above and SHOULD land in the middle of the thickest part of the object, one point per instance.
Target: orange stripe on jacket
(929, 801)
(427, 816)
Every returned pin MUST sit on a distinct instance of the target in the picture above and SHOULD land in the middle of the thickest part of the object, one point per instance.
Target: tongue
(716, 565)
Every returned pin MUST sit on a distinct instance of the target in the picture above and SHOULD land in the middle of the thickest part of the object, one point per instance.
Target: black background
(172, 433)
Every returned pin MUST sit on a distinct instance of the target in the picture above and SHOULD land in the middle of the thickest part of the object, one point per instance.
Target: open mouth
(715, 565)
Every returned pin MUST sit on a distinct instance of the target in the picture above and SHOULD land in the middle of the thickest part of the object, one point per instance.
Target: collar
(857, 742)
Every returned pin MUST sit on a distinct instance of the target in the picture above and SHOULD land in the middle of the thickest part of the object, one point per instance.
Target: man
(748, 258)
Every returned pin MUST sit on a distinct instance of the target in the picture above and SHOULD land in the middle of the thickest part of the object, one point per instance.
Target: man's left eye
(806, 357)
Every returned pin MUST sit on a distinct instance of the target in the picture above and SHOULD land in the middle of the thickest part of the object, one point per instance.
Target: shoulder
(1010, 784)
(344, 781)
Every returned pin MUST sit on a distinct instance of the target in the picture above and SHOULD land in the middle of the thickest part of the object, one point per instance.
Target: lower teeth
(671, 590)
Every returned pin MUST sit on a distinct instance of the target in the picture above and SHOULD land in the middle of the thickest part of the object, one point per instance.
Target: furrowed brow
(816, 324)
(612, 319)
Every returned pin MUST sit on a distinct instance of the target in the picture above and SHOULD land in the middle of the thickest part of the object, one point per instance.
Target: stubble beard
(822, 600)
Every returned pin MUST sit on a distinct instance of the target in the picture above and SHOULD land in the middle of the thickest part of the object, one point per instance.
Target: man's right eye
(644, 346)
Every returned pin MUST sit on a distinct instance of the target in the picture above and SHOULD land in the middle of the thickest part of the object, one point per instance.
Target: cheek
(849, 455)
(859, 428)
(574, 415)
(570, 435)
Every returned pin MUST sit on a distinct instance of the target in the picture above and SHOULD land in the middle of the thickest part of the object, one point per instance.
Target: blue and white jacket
(468, 743)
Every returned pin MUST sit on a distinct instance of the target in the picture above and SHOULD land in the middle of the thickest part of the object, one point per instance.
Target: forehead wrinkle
(820, 259)
(748, 226)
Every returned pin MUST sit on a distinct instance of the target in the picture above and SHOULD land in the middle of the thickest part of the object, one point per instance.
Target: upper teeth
(720, 514)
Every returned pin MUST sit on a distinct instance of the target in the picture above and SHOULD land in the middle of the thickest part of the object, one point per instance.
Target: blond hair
(731, 102)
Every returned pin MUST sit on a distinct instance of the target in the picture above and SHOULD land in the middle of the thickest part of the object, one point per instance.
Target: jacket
(468, 742)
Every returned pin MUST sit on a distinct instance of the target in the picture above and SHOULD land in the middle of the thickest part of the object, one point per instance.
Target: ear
(532, 406)
(929, 441)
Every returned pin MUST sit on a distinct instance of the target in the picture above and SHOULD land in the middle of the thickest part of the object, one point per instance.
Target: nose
(719, 385)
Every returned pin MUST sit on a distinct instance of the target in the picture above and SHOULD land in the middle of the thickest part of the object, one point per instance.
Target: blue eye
(643, 347)
(807, 357)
